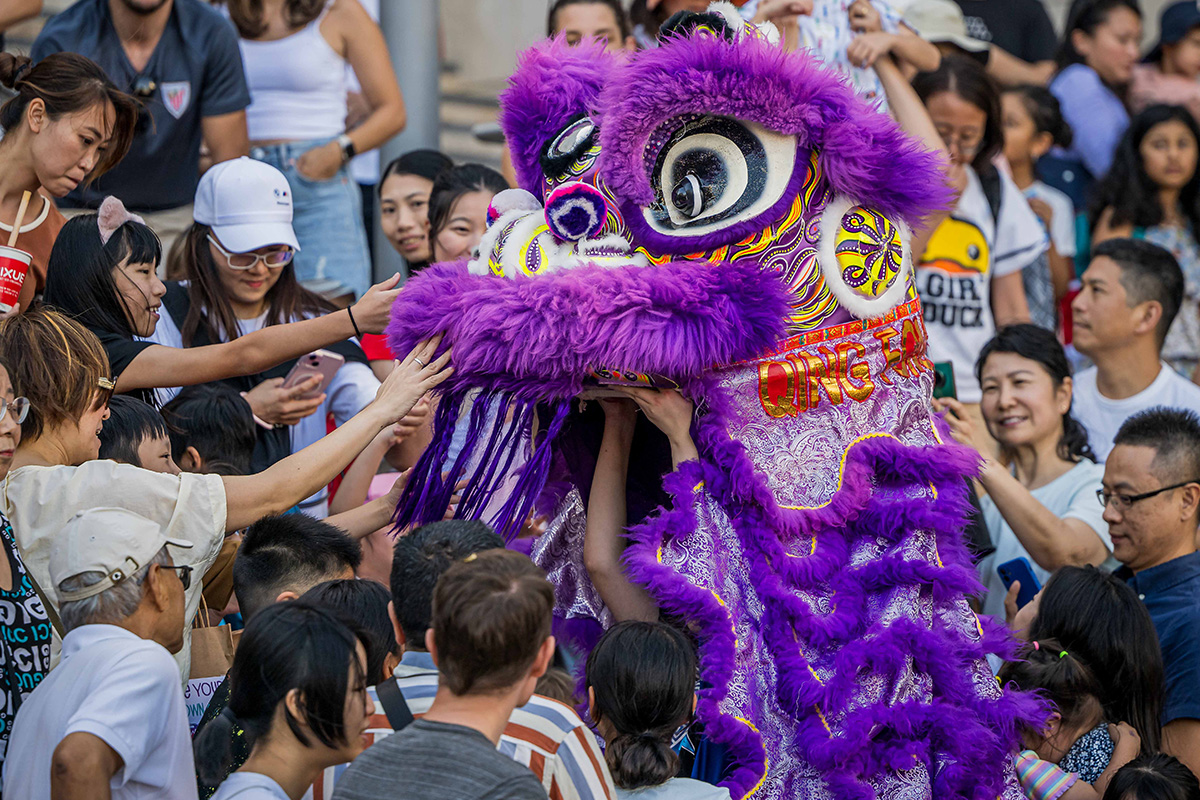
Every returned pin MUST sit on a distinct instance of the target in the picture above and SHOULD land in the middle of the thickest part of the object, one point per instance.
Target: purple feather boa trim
(964, 739)
(863, 153)
(536, 338)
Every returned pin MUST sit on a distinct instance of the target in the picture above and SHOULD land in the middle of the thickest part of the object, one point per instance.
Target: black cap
(1177, 20)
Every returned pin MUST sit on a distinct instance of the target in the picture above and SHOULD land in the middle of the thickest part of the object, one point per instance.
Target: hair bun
(14, 68)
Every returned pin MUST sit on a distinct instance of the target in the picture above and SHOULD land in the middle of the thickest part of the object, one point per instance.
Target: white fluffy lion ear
(864, 257)
(733, 18)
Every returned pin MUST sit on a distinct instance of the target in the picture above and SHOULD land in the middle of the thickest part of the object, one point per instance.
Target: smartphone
(943, 380)
(321, 363)
(1019, 569)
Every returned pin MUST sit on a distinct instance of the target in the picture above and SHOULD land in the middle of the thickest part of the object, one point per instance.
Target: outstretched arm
(159, 366)
(289, 481)
(603, 543)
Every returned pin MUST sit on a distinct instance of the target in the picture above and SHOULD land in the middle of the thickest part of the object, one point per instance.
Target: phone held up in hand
(323, 364)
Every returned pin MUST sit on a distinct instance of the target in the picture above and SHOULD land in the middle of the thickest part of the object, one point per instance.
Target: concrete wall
(481, 38)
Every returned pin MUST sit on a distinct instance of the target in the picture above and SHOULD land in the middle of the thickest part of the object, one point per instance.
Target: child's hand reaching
(865, 18)
(1126, 742)
(867, 48)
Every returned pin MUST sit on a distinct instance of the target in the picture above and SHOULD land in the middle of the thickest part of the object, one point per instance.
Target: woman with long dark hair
(296, 54)
(1153, 193)
(1041, 489)
(969, 273)
(67, 124)
(222, 299)
(298, 687)
(458, 204)
(1099, 618)
(103, 273)
(1095, 60)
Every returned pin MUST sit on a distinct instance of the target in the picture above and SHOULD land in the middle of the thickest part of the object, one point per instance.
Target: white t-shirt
(353, 387)
(965, 254)
(1071, 495)
(250, 786)
(1103, 416)
(39, 501)
(122, 689)
(676, 789)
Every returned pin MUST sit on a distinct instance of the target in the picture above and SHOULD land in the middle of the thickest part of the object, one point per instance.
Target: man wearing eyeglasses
(180, 58)
(111, 715)
(1151, 497)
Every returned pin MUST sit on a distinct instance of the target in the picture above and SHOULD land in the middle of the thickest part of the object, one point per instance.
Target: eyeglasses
(967, 146)
(276, 259)
(106, 386)
(1124, 501)
(185, 575)
(19, 407)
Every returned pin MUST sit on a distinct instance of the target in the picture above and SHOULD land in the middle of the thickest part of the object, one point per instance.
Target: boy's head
(419, 560)
(491, 625)
(366, 603)
(283, 557)
(136, 434)
(212, 430)
(1131, 292)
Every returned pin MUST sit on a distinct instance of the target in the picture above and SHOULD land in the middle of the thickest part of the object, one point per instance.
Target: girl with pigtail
(1077, 752)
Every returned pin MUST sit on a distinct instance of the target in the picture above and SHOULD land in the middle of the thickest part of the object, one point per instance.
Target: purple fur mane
(864, 154)
(554, 81)
(537, 337)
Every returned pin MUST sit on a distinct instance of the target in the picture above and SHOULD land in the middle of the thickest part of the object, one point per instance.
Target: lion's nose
(576, 211)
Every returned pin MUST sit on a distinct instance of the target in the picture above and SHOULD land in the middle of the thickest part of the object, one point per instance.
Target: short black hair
(1154, 777)
(1148, 272)
(365, 602)
(216, 420)
(419, 560)
(1174, 433)
(290, 552)
(130, 422)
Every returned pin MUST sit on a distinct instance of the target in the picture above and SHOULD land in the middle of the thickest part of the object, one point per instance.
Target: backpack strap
(394, 704)
(989, 181)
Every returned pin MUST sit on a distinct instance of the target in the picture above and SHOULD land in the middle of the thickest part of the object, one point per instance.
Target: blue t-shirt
(197, 72)
(1171, 592)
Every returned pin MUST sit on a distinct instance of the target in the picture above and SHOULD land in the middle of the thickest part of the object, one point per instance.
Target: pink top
(1150, 86)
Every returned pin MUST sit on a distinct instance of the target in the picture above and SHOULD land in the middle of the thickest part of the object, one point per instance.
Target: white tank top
(297, 86)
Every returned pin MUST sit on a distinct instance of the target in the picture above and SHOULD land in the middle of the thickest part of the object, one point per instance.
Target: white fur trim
(733, 17)
(515, 200)
(858, 305)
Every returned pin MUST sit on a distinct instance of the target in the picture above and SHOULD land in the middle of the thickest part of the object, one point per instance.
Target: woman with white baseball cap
(239, 278)
(102, 271)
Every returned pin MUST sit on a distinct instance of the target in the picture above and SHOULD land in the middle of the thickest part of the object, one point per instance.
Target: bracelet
(357, 332)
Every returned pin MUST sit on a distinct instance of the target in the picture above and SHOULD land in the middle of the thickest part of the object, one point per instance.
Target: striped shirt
(545, 735)
(1040, 779)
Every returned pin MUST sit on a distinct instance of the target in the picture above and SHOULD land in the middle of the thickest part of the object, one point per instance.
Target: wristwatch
(347, 144)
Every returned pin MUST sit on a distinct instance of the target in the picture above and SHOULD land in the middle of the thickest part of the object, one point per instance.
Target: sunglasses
(276, 259)
(19, 406)
(185, 575)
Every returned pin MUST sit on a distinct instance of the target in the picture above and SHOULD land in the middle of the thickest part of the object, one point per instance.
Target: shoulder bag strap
(394, 704)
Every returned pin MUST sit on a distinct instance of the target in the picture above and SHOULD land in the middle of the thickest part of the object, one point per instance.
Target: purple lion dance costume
(723, 217)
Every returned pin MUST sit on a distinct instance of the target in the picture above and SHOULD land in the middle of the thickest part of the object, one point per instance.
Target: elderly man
(109, 721)
(1151, 492)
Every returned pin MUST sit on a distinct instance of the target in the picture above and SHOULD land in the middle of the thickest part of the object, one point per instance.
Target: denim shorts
(327, 217)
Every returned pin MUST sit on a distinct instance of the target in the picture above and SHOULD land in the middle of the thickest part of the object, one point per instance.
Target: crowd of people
(202, 426)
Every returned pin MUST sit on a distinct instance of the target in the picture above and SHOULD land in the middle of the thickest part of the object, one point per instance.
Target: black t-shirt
(197, 71)
(122, 350)
(1021, 27)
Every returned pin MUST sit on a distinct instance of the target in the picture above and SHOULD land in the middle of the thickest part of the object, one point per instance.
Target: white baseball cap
(942, 21)
(247, 203)
(114, 541)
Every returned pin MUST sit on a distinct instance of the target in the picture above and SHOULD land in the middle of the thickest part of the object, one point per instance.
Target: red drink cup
(14, 266)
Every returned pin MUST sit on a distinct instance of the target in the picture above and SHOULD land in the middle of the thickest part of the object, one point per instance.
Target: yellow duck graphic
(957, 247)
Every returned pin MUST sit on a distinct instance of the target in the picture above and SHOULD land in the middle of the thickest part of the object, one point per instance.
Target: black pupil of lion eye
(683, 196)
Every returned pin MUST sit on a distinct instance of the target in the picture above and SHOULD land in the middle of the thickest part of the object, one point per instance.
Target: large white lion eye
(714, 172)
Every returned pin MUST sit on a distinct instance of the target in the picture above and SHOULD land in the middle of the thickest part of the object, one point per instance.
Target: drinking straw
(12, 237)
